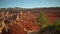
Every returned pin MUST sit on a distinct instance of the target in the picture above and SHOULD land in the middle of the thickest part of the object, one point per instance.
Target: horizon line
(31, 7)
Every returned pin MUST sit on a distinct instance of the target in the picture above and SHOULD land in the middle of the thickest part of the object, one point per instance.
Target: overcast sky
(29, 3)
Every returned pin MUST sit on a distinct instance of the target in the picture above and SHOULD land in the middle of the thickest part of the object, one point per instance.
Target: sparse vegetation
(51, 29)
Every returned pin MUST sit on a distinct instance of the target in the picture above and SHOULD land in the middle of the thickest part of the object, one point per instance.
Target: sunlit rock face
(16, 29)
(19, 28)
(17, 25)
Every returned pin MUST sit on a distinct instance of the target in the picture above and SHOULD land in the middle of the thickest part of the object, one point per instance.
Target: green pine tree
(41, 19)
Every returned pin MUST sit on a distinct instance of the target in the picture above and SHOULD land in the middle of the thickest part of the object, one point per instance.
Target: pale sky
(29, 3)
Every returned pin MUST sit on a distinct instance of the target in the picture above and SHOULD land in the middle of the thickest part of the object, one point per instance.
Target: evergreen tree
(41, 19)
